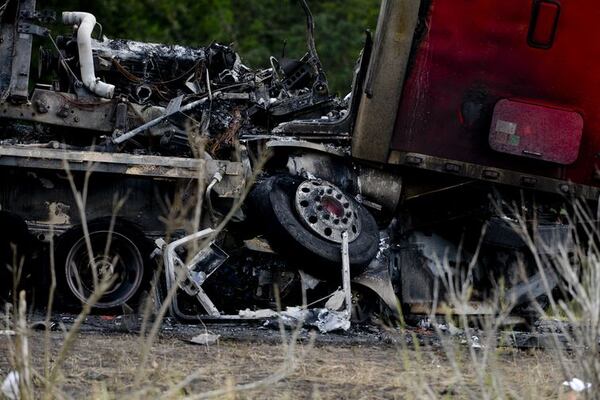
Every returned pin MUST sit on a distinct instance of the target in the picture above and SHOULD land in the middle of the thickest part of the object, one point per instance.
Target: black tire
(272, 202)
(132, 264)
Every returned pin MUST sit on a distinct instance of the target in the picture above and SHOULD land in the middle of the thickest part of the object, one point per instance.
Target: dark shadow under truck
(163, 143)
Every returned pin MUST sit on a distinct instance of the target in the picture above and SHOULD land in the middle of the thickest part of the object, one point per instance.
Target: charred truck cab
(129, 156)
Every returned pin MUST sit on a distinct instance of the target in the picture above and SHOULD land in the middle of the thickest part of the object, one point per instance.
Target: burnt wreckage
(165, 129)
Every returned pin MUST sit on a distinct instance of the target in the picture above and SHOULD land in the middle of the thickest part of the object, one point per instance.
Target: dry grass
(101, 366)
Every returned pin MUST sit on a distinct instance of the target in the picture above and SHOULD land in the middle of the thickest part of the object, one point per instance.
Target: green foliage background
(256, 28)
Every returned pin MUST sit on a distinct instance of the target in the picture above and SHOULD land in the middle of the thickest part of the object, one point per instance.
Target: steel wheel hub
(123, 263)
(326, 210)
(104, 267)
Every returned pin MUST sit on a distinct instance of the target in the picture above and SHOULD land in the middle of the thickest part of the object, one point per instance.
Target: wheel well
(15, 232)
(119, 224)
(18, 232)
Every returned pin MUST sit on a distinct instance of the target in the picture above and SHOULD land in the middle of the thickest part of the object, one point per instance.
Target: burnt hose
(86, 23)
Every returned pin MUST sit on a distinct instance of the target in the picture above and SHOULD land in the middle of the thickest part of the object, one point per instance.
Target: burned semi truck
(119, 155)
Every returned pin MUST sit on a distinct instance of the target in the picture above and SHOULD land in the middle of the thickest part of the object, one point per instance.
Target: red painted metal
(535, 131)
(469, 54)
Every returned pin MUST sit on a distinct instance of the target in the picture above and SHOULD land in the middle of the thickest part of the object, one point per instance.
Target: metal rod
(156, 121)
(346, 273)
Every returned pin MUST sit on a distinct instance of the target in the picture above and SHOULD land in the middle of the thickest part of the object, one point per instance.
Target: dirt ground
(246, 363)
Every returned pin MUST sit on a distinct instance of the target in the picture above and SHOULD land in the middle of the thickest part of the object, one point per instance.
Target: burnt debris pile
(143, 98)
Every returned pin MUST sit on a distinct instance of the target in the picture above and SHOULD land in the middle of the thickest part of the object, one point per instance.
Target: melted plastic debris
(324, 319)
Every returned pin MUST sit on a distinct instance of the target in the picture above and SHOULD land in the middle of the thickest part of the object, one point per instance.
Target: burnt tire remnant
(274, 200)
(119, 254)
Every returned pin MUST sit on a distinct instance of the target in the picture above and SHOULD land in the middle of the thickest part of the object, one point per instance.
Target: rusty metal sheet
(63, 109)
(493, 175)
(128, 164)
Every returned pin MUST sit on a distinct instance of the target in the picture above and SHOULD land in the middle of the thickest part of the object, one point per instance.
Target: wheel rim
(327, 211)
(122, 262)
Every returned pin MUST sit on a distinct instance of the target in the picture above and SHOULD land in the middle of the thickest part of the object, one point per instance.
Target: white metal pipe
(86, 23)
(346, 274)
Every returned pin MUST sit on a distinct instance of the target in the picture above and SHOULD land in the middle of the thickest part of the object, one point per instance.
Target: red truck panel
(470, 54)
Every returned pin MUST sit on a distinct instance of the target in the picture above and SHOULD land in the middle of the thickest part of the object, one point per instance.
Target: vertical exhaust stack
(378, 108)
(86, 23)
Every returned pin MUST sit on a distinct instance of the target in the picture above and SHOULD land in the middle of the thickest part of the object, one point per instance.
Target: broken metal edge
(213, 314)
(119, 163)
(169, 256)
(305, 145)
(493, 175)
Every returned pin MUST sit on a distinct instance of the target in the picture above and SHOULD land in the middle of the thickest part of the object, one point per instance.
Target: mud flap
(377, 277)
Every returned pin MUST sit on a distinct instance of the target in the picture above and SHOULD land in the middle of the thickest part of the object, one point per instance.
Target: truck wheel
(116, 255)
(307, 217)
